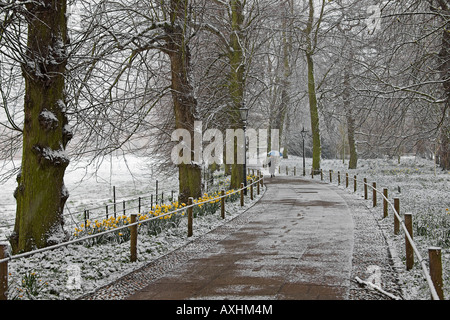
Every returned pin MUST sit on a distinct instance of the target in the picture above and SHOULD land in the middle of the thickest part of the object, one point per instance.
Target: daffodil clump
(93, 227)
(169, 215)
(207, 204)
(29, 288)
(164, 216)
(153, 227)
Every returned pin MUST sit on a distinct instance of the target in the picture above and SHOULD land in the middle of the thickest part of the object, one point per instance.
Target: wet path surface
(296, 244)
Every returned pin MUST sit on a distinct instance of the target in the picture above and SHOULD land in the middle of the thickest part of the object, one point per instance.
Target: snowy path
(295, 243)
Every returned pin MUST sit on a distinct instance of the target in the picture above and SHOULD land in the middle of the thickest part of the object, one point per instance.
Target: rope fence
(132, 226)
(433, 274)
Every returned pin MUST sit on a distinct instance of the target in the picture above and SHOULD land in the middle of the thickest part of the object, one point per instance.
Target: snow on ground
(421, 188)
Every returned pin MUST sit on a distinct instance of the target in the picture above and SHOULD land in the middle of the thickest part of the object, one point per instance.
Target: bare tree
(310, 35)
(407, 75)
(184, 101)
(41, 193)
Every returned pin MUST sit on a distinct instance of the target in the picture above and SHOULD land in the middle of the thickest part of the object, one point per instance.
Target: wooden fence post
(114, 200)
(139, 204)
(331, 176)
(365, 188)
(242, 194)
(222, 204)
(354, 184)
(321, 174)
(396, 221)
(258, 188)
(261, 177)
(3, 272)
(408, 246)
(346, 179)
(339, 178)
(434, 254)
(133, 238)
(385, 202)
(295, 171)
(190, 216)
(374, 194)
(251, 189)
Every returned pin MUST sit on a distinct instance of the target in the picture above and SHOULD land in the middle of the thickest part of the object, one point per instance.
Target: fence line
(408, 237)
(4, 259)
(103, 206)
(413, 245)
(87, 212)
(17, 256)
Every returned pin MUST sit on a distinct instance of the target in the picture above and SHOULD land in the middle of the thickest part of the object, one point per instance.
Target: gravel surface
(373, 259)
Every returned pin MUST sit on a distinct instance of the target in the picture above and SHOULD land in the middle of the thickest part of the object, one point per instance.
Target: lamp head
(244, 113)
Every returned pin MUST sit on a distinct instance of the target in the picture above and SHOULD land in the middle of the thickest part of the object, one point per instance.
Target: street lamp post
(303, 132)
(244, 114)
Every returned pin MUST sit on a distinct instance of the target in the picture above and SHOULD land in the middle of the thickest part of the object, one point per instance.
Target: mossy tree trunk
(311, 33)
(315, 131)
(287, 52)
(184, 102)
(41, 193)
(236, 82)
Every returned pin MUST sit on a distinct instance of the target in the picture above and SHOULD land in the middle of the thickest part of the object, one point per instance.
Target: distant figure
(272, 165)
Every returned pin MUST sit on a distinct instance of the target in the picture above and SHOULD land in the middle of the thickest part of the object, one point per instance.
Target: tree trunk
(314, 114)
(236, 83)
(353, 163)
(283, 122)
(444, 55)
(311, 42)
(184, 102)
(41, 193)
(349, 115)
(287, 51)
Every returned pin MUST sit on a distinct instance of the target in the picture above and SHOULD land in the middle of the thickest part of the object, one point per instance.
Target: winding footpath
(295, 243)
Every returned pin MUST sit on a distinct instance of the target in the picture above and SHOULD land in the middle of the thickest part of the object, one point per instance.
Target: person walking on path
(272, 165)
